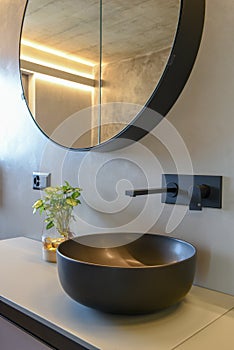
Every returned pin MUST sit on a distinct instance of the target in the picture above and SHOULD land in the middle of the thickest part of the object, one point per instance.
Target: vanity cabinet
(13, 337)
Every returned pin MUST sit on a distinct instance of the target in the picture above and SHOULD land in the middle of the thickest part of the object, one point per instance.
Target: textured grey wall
(131, 81)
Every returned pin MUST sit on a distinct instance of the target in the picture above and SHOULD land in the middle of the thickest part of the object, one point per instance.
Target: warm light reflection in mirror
(64, 82)
(55, 66)
(56, 52)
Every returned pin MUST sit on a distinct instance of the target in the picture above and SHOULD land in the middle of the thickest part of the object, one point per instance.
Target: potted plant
(57, 204)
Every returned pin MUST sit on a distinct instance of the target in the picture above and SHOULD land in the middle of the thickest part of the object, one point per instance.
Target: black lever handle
(198, 193)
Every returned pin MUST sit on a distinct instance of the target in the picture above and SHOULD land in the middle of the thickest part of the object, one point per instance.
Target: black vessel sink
(126, 273)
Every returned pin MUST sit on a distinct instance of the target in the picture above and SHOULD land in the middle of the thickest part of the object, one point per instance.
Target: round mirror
(88, 68)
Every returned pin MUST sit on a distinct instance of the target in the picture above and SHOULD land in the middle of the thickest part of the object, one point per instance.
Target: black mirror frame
(175, 75)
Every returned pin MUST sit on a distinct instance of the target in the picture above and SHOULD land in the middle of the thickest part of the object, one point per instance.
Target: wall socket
(41, 180)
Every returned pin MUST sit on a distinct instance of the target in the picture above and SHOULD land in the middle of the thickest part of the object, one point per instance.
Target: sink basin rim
(143, 266)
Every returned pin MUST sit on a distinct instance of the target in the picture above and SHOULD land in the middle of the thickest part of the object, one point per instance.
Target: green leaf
(50, 190)
(41, 209)
(38, 204)
(75, 195)
(49, 225)
(71, 201)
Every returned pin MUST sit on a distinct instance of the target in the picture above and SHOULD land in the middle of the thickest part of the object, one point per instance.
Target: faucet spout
(171, 188)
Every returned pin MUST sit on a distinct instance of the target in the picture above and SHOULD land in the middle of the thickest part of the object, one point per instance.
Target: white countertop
(204, 319)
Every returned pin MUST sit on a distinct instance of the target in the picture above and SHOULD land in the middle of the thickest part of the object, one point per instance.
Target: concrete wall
(130, 81)
(201, 123)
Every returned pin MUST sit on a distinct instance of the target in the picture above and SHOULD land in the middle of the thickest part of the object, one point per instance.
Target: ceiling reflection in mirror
(88, 67)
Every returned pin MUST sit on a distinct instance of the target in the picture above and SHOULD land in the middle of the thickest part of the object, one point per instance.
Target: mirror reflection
(87, 67)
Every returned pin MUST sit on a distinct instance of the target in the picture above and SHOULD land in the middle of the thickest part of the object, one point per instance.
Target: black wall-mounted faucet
(196, 191)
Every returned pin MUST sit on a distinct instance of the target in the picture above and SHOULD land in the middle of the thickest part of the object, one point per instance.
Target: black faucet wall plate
(185, 185)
